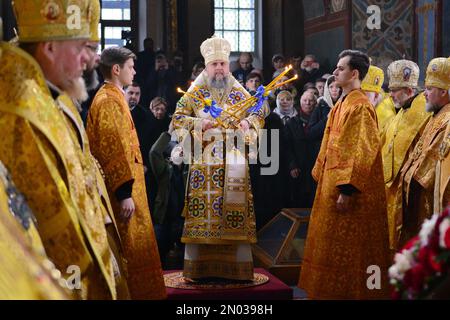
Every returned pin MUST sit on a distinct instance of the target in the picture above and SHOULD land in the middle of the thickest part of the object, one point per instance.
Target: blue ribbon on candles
(261, 96)
(212, 108)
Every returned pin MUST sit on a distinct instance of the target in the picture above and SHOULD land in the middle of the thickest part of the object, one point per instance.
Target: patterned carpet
(177, 281)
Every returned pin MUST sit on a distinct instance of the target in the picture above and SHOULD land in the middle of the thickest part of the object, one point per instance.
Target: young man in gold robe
(347, 235)
(114, 143)
(219, 215)
(418, 173)
(37, 146)
(401, 136)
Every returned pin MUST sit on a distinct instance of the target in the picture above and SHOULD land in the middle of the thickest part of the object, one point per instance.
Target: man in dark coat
(171, 175)
(301, 155)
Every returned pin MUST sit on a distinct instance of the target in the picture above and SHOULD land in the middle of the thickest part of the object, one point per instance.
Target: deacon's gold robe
(402, 134)
(419, 173)
(38, 150)
(114, 143)
(385, 113)
(341, 246)
(98, 193)
(25, 271)
(442, 183)
(219, 214)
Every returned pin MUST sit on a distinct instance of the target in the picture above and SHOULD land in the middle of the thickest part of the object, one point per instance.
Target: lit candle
(285, 82)
(190, 95)
(286, 70)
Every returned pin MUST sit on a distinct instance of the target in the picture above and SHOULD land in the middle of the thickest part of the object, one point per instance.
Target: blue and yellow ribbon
(261, 95)
(212, 108)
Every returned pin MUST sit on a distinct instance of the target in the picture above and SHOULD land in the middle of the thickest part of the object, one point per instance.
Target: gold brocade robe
(402, 134)
(419, 173)
(218, 209)
(25, 271)
(114, 143)
(385, 113)
(38, 150)
(98, 193)
(442, 183)
(340, 247)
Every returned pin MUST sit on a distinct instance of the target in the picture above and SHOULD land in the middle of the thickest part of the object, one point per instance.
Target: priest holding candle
(219, 215)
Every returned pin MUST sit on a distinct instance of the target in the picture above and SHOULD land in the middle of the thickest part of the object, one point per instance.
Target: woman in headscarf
(285, 107)
(319, 117)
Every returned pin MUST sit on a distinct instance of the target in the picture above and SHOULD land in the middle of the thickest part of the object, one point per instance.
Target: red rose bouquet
(424, 262)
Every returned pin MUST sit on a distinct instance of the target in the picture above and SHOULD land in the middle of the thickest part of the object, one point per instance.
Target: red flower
(422, 257)
(407, 279)
(417, 277)
(411, 243)
(395, 294)
(447, 238)
(423, 260)
(433, 262)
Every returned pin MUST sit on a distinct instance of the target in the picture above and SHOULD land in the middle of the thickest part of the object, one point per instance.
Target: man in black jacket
(171, 175)
(161, 82)
(301, 156)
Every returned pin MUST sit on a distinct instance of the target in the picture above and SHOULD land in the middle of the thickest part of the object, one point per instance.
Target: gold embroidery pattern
(115, 145)
(340, 246)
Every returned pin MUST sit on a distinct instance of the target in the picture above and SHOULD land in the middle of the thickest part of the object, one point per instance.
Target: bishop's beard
(216, 83)
(429, 107)
(76, 89)
(91, 79)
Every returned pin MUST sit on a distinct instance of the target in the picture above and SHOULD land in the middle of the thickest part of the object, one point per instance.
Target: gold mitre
(438, 73)
(374, 80)
(94, 20)
(47, 20)
(403, 74)
(215, 48)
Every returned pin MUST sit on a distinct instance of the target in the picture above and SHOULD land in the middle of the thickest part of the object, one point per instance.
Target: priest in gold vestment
(383, 104)
(37, 146)
(219, 215)
(25, 271)
(348, 232)
(401, 136)
(442, 180)
(418, 172)
(70, 105)
(114, 143)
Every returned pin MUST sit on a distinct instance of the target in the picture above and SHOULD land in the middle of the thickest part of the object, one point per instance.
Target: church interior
(353, 96)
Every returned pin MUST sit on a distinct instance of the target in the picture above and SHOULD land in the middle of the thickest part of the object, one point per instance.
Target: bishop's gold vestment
(25, 271)
(442, 182)
(219, 214)
(419, 174)
(402, 134)
(37, 149)
(97, 191)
